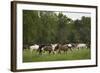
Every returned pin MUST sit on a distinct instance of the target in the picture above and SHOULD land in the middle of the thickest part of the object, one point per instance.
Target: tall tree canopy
(43, 27)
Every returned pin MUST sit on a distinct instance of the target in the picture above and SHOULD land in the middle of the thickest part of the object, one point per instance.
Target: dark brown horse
(61, 48)
(48, 48)
(40, 49)
(45, 48)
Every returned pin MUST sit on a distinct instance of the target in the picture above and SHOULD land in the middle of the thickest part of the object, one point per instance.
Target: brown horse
(48, 48)
(45, 48)
(61, 48)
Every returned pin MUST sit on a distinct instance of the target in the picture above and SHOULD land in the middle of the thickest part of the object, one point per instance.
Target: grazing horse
(45, 48)
(34, 47)
(40, 49)
(59, 48)
(69, 46)
(74, 45)
(53, 48)
(48, 48)
(81, 45)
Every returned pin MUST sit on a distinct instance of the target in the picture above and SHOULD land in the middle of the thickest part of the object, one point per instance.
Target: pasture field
(76, 54)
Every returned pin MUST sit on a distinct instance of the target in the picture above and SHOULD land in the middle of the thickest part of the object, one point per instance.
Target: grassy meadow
(46, 27)
(76, 54)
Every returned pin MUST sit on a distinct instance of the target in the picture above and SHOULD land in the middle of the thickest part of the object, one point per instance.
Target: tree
(46, 27)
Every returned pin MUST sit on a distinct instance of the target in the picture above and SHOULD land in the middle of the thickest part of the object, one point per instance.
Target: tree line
(44, 27)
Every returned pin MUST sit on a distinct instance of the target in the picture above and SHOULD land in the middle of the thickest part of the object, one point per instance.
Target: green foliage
(44, 27)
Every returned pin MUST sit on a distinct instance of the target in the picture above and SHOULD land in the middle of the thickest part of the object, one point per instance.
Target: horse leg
(54, 52)
(78, 48)
(59, 51)
(66, 51)
(40, 52)
(50, 52)
(70, 49)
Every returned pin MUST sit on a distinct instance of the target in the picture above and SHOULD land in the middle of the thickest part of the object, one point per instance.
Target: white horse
(81, 45)
(34, 47)
(53, 48)
(69, 45)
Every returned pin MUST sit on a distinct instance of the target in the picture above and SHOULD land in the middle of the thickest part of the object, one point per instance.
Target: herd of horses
(56, 48)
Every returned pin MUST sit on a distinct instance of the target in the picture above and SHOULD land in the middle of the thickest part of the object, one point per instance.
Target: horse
(81, 45)
(48, 48)
(40, 49)
(69, 46)
(53, 48)
(34, 47)
(61, 48)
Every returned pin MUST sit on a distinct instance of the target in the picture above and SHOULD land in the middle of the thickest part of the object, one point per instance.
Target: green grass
(70, 55)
